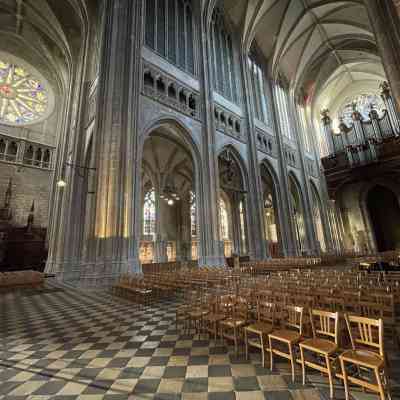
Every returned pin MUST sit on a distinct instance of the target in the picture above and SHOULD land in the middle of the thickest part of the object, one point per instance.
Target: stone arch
(233, 179)
(267, 168)
(175, 131)
(363, 196)
(239, 161)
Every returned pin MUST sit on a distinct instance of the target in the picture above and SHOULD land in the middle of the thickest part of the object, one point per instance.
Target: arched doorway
(296, 203)
(232, 204)
(384, 211)
(271, 217)
(169, 213)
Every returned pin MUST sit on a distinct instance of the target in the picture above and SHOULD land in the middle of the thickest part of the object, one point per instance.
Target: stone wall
(28, 184)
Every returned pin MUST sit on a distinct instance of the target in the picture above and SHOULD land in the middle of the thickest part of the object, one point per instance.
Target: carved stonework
(230, 174)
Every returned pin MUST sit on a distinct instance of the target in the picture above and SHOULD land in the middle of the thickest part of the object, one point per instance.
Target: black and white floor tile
(63, 344)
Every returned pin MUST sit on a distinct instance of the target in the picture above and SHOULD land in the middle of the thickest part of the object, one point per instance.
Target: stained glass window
(193, 220)
(242, 227)
(149, 213)
(223, 214)
(23, 98)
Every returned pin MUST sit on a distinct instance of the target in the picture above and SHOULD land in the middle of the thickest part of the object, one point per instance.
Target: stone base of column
(212, 261)
(92, 275)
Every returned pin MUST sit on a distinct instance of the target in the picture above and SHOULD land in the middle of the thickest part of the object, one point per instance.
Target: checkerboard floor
(61, 343)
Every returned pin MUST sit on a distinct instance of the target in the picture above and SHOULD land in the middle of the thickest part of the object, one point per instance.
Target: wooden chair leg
(292, 361)
(329, 368)
(386, 382)
(380, 385)
(271, 354)
(262, 350)
(303, 365)
(235, 341)
(345, 379)
(246, 345)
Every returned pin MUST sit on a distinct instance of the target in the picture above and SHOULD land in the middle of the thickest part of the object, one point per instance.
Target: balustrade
(167, 90)
(23, 152)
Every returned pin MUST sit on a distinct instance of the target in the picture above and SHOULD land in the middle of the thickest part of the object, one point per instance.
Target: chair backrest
(266, 312)
(294, 318)
(365, 332)
(240, 308)
(325, 323)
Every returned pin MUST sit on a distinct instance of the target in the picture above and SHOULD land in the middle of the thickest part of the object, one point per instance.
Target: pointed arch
(272, 211)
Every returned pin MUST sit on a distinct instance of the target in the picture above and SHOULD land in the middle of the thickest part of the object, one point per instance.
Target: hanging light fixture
(61, 183)
(170, 193)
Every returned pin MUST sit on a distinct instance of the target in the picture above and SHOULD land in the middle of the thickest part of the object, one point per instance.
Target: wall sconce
(80, 169)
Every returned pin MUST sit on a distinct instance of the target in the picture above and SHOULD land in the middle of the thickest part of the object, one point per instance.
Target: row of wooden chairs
(279, 330)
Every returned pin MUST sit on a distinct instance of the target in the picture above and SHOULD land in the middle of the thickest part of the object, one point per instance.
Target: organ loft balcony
(364, 150)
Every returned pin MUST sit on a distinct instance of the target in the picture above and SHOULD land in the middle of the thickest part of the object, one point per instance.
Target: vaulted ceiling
(320, 47)
(166, 161)
(45, 33)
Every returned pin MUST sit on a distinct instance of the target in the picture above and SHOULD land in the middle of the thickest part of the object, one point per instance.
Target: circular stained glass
(24, 98)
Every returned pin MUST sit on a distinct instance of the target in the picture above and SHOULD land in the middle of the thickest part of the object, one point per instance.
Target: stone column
(255, 227)
(311, 240)
(385, 24)
(114, 248)
(211, 250)
(288, 232)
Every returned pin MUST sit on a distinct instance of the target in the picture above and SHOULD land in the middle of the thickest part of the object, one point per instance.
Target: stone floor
(60, 343)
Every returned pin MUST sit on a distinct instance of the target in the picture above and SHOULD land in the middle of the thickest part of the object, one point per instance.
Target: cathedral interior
(200, 199)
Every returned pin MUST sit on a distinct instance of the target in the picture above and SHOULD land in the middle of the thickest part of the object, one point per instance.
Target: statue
(385, 90)
(326, 119)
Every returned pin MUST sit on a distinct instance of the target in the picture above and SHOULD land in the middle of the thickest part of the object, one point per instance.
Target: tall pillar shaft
(385, 23)
(211, 247)
(114, 247)
(287, 222)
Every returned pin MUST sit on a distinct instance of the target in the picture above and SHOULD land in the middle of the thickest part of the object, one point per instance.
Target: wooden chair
(231, 327)
(260, 329)
(290, 335)
(197, 314)
(367, 353)
(324, 325)
(213, 319)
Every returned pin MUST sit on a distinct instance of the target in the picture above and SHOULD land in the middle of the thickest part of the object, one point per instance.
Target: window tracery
(149, 213)
(283, 110)
(170, 32)
(193, 218)
(24, 99)
(258, 88)
(223, 59)
(224, 219)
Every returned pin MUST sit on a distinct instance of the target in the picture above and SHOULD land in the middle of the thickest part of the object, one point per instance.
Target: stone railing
(228, 122)
(167, 90)
(26, 153)
(290, 156)
(266, 143)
